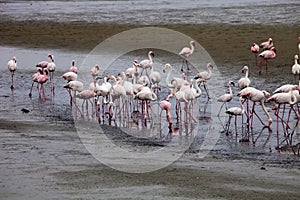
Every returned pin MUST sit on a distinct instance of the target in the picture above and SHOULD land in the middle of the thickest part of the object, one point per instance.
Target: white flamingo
(154, 77)
(185, 53)
(226, 97)
(235, 111)
(76, 86)
(296, 67)
(12, 66)
(179, 82)
(204, 76)
(245, 81)
(133, 71)
(69, 76)
(51, 68)
(255, 95)
(148, 63)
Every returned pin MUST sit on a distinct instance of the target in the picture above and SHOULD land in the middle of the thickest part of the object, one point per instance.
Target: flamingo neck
(169, 84)
(296, 61)
(150, 58)
(230, 90)
(247, 74)
(293, 99)
(198, 93)
(192, 48)
(262, 102)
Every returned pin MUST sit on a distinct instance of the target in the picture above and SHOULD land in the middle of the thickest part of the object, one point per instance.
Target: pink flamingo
(43, 78)
(35, 77)
(44, 64)
(226, 97)
(205, 76)
(235, 111)
(166, 105)
(256, 95)
(73, 68)
(255, 49)
(95, 71)
(267, 45)
(133, 71)
(12, 66)
(76, 86)
(266, 55)
(245, 81)
(185, 53)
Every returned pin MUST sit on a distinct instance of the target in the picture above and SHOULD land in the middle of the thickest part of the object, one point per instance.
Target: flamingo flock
(133, 91)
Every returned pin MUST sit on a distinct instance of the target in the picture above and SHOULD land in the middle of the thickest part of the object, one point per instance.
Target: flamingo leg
(12, 80)
(221, 109)
(30, 93)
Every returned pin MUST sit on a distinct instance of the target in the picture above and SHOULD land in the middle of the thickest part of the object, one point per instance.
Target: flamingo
(144, 80)
(69, 76)
(73, 68)
(166, 105)
(245, 81)
(35, 76)
(255, 49)
(41, 79)
(44, 64)
(86, 95)
(299, 44)
(12, 66)
(266, 55)
(51, 68)
(133, 71)
(226, 97)
(76, 86)
(296, 67)
(179, 82)
(235, 111)
(145, 95)
(267, 45)
(284, 88)
(205, 76)
(154, 77)
(185, 53)
(148, 63)
(95, 71)
(256, 95)
(284, 98)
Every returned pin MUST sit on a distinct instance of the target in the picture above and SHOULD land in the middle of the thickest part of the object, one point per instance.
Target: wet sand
(58, 166)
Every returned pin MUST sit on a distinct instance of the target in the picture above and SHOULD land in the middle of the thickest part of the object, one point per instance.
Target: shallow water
(57, 109)
(156, 12)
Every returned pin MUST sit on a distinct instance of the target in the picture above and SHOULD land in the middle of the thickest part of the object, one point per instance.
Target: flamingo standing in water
(226, 97)
(148, 63)
(267, 45)
(12, 66)
(296, 67)
(235, 111)
(175, 81)
(185, 53)
(266, 55)
(299, 44)
(35, 77)
(245, 81)
(41, 79)
(255, 49)
(76, 86)
(166, 105)
(256, 95)
(204, 77)
(86, 95)
(284, 98)
(51, 68)
(133, 71)
(73, 68)
(44, 64)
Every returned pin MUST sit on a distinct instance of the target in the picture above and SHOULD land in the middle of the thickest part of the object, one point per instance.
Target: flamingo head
(266, 93)
(167, 66)
(183, 76)
(296, 57)
(15, 59)
(151, 53)
(73, 62)
(97, 66)
(231, 83)
(270, 40)
(244, 69)
(209, 65)
(270, 121)
(192, 43)
(45, 71)
(273, 49)
(51, 57)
